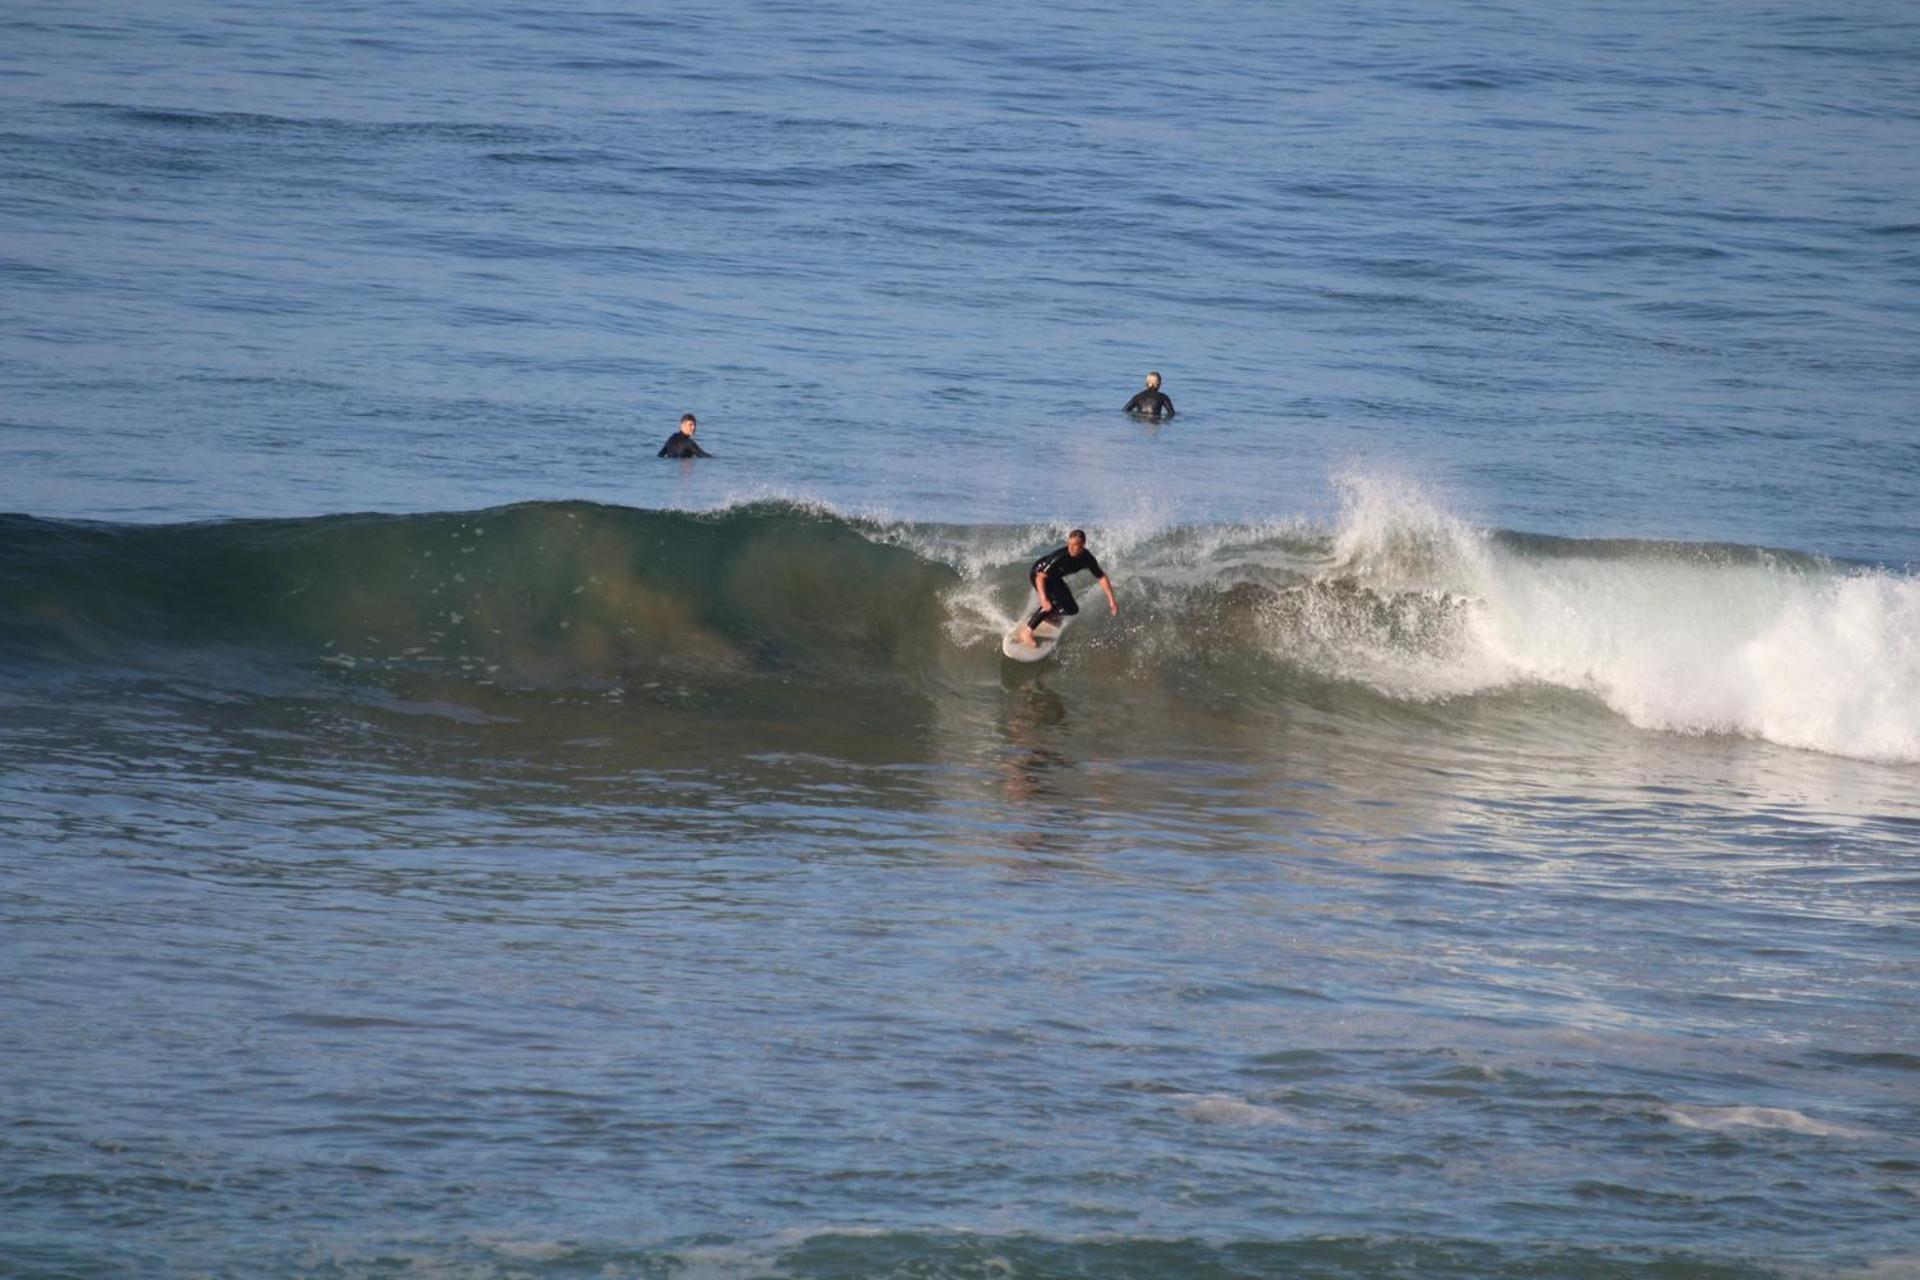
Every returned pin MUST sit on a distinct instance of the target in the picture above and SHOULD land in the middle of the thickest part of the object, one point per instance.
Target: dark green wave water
(546, 591)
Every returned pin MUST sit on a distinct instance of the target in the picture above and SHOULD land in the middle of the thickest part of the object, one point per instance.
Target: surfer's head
(1077, 541)
(1153, 381)
(688, 424)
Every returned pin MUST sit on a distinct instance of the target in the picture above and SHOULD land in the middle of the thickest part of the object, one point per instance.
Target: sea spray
(1682, 637)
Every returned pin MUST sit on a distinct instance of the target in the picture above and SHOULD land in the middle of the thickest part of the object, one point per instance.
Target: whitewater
(1705, 639)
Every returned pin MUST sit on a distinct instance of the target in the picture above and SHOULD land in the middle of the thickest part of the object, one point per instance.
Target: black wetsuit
(1056, 565)
(681, 445)
(1151, 403)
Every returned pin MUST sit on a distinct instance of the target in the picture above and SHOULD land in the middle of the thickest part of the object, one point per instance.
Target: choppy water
(1485, 844)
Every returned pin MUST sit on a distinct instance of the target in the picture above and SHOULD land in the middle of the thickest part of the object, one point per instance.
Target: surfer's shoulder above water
(1151, 402)
(680, 444)
(1071, 558)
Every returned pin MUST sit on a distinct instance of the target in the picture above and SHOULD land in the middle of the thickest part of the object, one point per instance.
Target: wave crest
(1685, 637)
(1400, 597)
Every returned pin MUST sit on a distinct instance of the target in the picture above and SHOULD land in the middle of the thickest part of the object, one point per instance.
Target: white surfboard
(1047, 635)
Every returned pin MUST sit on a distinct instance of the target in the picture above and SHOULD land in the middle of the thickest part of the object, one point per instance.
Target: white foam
(1782, 1118)
(531, 1250)
(1804, 655)
(1224, 1109)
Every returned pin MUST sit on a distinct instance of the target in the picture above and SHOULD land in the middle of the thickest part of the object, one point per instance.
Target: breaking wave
(1675, 636)
(1397, 597)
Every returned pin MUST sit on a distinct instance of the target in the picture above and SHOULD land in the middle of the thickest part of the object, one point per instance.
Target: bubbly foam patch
(1693, 640)
(1224, 1109)
(1781, 1118)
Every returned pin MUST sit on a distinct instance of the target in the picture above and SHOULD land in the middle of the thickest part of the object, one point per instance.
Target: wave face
(540, 593)
(1398, 599)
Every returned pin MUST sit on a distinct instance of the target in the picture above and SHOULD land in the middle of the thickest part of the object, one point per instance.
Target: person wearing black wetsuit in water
(1151, 403)
(680, 444)
(1049, 574)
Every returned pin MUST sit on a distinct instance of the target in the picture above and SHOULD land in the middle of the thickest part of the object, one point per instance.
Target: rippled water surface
(438, 838)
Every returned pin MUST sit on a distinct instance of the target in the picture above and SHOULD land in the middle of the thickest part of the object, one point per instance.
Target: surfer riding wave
(1048, 576)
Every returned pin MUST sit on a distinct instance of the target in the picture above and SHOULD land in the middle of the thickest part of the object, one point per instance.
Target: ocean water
(438, 838)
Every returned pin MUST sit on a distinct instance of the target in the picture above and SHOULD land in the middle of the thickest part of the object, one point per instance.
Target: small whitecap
(531, 1250)
(1220, 1108)
(1782, 1118)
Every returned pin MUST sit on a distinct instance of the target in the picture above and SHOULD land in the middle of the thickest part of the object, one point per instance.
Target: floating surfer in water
(1048, 576)
(1151, 403)
(680, 444)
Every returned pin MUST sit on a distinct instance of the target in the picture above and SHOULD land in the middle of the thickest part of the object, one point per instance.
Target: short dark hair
(1077, 533)
(1154, 373)
(687, 417)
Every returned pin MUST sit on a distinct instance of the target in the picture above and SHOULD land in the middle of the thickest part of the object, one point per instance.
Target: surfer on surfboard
(1049, 574)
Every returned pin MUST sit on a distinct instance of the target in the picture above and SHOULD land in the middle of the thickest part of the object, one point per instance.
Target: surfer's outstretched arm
(1113, 605)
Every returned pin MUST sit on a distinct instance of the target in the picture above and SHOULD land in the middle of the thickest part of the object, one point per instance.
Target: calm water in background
(1486, 843)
